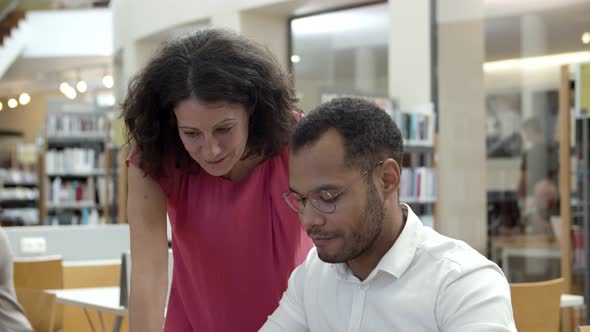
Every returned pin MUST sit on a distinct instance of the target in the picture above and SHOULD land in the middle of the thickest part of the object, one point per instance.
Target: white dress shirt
(425, 282)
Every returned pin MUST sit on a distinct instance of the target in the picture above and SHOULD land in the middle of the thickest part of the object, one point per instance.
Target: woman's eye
(190, 134)
(223, 130)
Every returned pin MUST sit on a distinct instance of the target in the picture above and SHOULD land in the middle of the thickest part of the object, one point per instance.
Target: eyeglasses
(321, 200)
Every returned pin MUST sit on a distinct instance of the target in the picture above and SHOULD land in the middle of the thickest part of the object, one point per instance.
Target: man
(12, 317)
(375, 267)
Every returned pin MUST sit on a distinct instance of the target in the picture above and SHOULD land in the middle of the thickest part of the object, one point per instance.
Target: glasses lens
(323, 201)
(293, 201)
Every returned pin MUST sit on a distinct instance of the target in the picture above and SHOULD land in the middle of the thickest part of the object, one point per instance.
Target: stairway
(14, 34)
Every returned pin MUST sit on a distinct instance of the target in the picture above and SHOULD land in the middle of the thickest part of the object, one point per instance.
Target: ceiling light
(537, 62)
(64, 87)
(24, 98)
(71, 93)
(586, 38)
(12, 103)
(295, 58)
(107, 80)
(1, 106)
(81, 86)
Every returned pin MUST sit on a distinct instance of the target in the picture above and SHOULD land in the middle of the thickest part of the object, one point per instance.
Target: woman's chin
(216, 172)
(220, 169)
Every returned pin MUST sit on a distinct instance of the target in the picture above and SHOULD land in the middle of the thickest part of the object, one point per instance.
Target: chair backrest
(39, 307)
(39, 273)
(536, 305)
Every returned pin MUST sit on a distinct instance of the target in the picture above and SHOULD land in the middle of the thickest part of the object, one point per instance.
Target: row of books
(20, 216)
(19, 194)
(417, 128)
(69, 124)
(15, 176)
(73, 161)
(418, 184)
(79, 193)
(578, 244)
(86, 216)
(417, 124)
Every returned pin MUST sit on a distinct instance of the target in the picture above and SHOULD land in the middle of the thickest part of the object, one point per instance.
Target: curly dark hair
(211, 65)
(369, 133)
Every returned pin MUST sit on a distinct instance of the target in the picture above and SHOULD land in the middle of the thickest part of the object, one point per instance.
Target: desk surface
(103, 299)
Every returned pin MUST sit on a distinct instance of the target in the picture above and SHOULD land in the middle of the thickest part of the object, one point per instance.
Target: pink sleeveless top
(235, 245)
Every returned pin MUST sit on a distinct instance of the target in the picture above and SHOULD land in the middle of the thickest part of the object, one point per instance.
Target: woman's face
(213, 133)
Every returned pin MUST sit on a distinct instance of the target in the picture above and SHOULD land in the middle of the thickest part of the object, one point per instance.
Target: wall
(29, 119)
(461, 153)
(138, 19)
(75, 243)
(409, 53)
(69, 33)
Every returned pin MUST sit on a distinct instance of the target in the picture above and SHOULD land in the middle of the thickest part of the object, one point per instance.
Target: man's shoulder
(451, 254)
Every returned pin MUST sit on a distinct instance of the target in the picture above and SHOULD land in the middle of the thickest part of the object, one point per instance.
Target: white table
(101, 300)
(570, 301)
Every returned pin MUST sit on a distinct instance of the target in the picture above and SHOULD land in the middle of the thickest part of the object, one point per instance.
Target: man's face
(358, 219)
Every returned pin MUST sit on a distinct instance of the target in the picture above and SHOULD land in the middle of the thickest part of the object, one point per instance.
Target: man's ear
(390, 175)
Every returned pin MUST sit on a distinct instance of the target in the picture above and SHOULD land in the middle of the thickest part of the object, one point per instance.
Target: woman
(210, 117)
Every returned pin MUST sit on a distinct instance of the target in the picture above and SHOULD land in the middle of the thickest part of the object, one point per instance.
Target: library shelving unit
(417, 124)
(78, 179)
(574, 182)
(418, 182)
(19, 197)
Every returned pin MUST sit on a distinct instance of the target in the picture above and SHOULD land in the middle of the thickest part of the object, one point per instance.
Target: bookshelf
(418, 127)
(580, 162)
(574, 182)
(419, 181)
(19, 197)
(78, 182)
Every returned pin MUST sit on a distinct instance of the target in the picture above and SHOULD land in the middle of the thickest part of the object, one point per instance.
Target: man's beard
(366, 231)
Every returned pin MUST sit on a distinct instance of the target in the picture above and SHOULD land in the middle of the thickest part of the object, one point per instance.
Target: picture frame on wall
(504, 125)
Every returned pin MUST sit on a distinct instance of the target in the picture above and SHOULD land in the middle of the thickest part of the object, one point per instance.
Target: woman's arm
(146, 212)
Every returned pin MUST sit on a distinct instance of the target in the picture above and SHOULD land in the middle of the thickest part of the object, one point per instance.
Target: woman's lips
(218, 161)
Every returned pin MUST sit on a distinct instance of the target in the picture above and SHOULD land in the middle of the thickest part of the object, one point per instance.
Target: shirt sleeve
(12, 316)
(477, 301)
(166, 180)
(290, 315)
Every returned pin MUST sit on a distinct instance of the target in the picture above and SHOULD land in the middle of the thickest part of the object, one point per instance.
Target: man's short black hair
(370, 135)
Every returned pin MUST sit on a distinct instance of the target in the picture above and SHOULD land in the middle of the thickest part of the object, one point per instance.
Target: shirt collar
(398, 258)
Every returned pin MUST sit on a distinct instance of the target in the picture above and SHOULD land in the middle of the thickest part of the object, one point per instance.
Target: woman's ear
(390, 175)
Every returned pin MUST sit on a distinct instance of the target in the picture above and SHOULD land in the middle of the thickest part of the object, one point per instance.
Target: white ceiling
(45, 74)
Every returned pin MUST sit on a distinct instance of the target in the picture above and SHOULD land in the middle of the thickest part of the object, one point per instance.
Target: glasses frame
(302, 199)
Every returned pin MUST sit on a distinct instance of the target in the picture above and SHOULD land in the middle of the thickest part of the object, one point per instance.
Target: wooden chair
(41, 273)
(585, 328)
(536, 305)
(39, 307)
